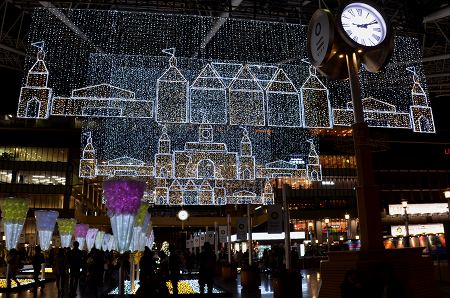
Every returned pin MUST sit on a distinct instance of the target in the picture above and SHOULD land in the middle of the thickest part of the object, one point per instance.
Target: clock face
(320, 37)
(183, 215)
(363, 24)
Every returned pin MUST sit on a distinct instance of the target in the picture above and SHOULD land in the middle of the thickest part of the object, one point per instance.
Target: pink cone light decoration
(14, 213)
(80, 234)
(123, 198)
(66, 226)
(45, 224)
(99, 239)
(105, 241)
(90, 238)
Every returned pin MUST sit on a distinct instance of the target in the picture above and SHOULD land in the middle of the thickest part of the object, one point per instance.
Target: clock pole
(368, 202)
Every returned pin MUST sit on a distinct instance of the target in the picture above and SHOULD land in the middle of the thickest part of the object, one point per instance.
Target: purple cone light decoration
(90, 238)
(80, 234)
(123, 198)
(45, 224)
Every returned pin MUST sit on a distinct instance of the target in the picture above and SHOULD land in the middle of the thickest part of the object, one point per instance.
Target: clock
(320, 42)
(362, 25)
(183, 215)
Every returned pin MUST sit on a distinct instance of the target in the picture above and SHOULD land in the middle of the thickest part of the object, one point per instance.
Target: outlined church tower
(35, 97)
(88, 162)
(163, 159)
(246, 158)
(313, 167)
(420, 111)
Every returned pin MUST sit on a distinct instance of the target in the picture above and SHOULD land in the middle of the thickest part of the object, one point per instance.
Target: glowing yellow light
(341, 56)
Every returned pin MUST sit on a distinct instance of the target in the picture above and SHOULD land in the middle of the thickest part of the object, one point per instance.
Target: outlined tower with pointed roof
(420, 111)
(208, 102)
(172, 94)
(163, 159)
(88, 162)
(316, 106)
(313, 167)
(35, 97)
(246, 158)
(246, 99)
(283, 101)
(268, 196)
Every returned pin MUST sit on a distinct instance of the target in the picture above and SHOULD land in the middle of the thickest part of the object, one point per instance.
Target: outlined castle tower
(163, 159)
(172, 94)
(420, 112)
(316, 106)
(246, 99)
(88, 162)
(246, 158)
(283, 101)
(208, 98)
(313, 167)
(35, 97)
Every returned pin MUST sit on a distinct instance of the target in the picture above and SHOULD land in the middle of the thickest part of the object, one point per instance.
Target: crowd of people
(90, 273)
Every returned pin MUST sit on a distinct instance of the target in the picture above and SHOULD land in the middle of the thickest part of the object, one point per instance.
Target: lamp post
(327, 221)
(310, 226)
(347, 218)
(405, 207)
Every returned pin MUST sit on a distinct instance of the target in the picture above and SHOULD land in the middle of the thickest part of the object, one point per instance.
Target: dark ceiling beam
(437, 15)
(12, 50)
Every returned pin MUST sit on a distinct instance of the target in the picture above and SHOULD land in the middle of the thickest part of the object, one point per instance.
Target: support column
(287, 234)
(367, 195)
(216, 240)
(249, 229)
(229, 237)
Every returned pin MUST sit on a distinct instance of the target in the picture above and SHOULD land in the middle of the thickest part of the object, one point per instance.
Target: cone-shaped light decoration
(150, 239)
(138, 225)
(45, 224)
(99, 239)
(112, 243)
(90, 238)
(14, 213)
(66, 226)
(105, 241)
(123, 198)
(137, 231)
(80, 234)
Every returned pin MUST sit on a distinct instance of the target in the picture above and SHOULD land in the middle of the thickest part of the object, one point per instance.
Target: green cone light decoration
(14, 213)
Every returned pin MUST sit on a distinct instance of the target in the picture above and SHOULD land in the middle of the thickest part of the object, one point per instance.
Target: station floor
(310, 286)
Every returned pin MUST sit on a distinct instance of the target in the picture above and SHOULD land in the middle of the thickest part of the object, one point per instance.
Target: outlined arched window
(424, 124)
(206, 169)
(33, 107)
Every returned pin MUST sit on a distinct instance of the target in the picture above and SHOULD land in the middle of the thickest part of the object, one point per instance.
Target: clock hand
(371, 23)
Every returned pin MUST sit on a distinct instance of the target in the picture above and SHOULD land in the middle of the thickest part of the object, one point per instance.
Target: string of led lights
(207, 108)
